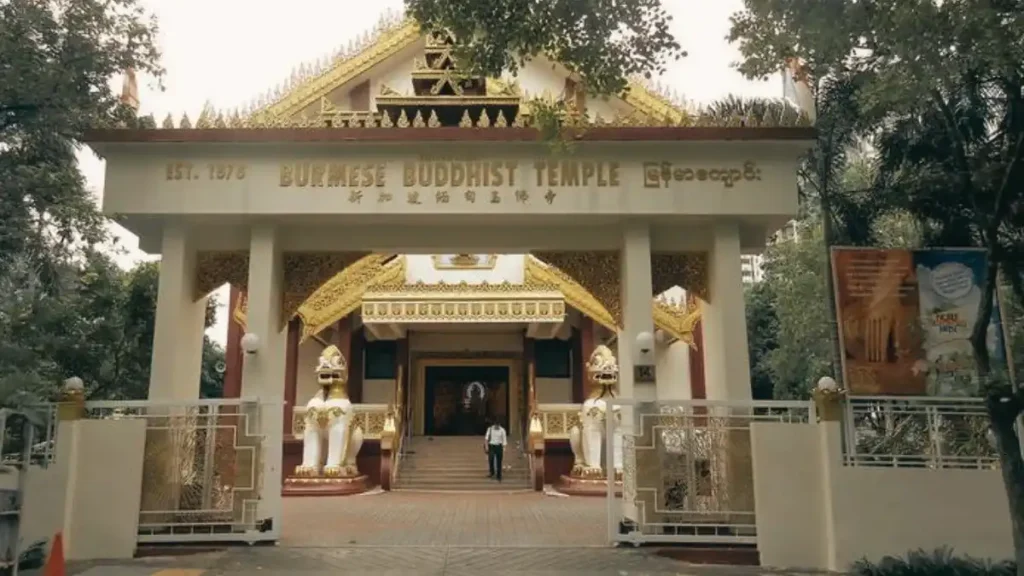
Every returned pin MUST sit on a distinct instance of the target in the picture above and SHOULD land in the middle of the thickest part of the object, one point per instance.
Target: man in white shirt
(494, 442)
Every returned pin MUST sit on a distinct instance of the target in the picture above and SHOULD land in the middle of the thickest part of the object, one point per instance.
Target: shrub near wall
(941, 562)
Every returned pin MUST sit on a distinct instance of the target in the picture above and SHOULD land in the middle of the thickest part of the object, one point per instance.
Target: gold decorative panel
(691, 467)
(464, 310)
(688, 270)
(305, 272)
(678, 319)
(343, 293)
(597, 272)
(216, 268)
(202, 468)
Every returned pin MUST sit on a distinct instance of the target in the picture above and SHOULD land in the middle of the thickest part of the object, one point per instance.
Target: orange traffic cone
(55, 564)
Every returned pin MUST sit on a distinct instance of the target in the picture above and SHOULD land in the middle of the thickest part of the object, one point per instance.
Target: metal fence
(687, 468)
(917, 432)
(202, 466)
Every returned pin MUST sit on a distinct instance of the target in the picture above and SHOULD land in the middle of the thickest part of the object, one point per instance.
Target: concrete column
(180, 321)
(263, 374)
(724, 320)
(674, 371)
(637, 293)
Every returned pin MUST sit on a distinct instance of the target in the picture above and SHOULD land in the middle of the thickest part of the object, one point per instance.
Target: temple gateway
(409, 261)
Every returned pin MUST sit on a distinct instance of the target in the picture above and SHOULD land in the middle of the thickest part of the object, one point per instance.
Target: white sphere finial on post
(827, 384)
(73, 385)
(828, 398)
(250, 343)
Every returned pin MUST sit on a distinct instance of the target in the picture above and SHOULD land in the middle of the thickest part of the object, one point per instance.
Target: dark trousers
(494, 454)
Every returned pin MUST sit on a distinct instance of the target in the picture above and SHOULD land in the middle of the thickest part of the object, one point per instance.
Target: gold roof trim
(466, 309)
(443, 290)
(343, 294)
(540, 274)
(373, 278)
(678, 320)
(390, 41)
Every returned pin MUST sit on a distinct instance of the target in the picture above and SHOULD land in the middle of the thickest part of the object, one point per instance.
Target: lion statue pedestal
(588, 476)
(326, 421)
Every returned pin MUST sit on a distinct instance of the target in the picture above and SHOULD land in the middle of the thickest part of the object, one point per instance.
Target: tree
(604, 41)
(57, 59)
(943, 87)
(762, 339)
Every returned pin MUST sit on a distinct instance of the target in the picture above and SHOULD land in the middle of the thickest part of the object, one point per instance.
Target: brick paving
(420, 534)
(445, 519)
(416, 561)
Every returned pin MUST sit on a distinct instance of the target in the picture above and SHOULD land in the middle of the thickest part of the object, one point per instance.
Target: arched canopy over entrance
(343, 293)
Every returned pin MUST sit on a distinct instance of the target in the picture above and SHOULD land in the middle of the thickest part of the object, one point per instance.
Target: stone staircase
(458, 464)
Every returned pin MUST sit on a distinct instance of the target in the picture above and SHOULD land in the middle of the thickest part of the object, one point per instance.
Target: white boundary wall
(814, 512)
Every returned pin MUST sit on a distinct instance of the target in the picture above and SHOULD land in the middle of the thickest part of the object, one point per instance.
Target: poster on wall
(905, 320)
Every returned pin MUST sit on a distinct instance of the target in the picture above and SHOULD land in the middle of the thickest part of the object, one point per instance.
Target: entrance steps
(458, 464)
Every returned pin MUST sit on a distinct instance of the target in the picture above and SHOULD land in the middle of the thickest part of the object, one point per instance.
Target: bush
(938, 563)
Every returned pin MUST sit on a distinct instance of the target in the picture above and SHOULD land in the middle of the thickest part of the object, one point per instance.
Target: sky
(230, 51)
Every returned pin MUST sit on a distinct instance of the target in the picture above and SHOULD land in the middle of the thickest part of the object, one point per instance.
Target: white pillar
(637, 296)
(726, 357)
(674, 371)
(178, 328)
(263, 371)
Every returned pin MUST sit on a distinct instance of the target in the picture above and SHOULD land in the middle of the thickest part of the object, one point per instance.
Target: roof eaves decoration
(537, 273)
(678, 319)
(309, 83)
(343, 294)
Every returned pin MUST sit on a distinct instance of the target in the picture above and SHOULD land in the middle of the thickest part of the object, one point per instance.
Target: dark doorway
(460, 400)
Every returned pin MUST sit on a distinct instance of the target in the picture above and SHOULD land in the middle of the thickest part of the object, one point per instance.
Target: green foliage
(56, 63)
(605, 41)
(938, 563)
(762, 339)
(67, 309)
(98, 325)
(794, 284)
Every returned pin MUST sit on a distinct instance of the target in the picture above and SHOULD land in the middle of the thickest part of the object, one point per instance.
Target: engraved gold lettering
(381, 181)
(570, 173)
(353, 176)
(661, 174)
(335, 175)
(496, 176)
(588, 173)
(458, 175)
(317, 178)
(552, 174)
(472, 174)
(302, 174)
(408, 174)
(367, 175)
(511, 167)
(286, 176)
(441, 174)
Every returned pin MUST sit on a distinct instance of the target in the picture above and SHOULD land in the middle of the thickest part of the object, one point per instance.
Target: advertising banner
(905, 320)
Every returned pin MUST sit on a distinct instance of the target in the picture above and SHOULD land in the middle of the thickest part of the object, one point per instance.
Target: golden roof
(310, 83)
(379, 277)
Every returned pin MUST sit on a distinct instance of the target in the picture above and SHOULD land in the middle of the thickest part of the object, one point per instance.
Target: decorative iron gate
(687, 469)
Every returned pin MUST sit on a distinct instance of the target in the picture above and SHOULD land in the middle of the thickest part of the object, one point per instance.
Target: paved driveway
(407, 534)
(425, 519)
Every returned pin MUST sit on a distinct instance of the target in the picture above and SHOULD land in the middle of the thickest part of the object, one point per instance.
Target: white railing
(687, 469)
(42, 452)
(202, 466)
(917, 432)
